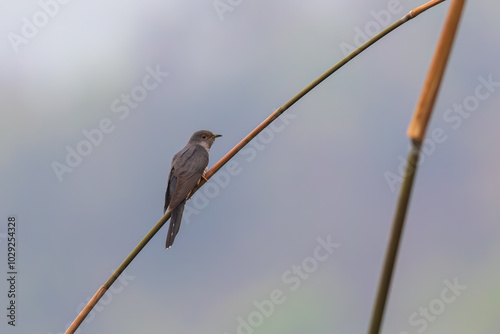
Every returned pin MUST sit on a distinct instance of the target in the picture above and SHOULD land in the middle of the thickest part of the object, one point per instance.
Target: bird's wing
(172, 181)
(188, 166)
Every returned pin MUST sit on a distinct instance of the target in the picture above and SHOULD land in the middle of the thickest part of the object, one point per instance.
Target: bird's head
(204, 138)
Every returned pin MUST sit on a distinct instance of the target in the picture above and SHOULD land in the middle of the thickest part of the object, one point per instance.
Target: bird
(188, 167)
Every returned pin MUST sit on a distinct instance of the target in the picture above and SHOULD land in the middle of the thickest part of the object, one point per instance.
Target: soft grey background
(321, 173)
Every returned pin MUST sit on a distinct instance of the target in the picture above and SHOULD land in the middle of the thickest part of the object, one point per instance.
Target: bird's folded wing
(188, 166)
(172, 181)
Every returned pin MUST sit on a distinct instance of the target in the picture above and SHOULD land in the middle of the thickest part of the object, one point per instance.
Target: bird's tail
(175, 223)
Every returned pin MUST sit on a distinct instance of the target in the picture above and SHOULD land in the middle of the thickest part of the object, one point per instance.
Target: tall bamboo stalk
(102, 290)
(416, 132)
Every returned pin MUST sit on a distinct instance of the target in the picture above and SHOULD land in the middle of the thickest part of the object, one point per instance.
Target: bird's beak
(215, 136)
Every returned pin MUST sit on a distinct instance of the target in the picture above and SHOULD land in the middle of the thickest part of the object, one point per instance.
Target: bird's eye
(204, 137)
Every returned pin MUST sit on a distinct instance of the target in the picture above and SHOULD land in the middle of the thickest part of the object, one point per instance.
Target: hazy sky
(97, 97)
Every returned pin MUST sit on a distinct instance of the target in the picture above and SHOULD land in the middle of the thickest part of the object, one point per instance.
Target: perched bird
(189, 165)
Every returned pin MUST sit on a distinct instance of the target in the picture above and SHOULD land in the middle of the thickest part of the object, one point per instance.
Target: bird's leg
(203, 175)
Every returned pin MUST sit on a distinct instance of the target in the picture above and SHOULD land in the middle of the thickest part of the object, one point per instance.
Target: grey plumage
(188, 166)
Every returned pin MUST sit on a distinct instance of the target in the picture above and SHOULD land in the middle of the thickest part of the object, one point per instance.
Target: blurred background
(97, 96)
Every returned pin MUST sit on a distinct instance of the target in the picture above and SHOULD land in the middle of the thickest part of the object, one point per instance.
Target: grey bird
(189, 165)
